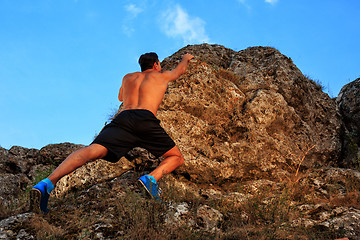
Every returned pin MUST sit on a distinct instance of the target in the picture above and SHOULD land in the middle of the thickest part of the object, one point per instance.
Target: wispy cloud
(128, 31)
(245, 2)
(178, 24)
(133, 10)
(271, 1)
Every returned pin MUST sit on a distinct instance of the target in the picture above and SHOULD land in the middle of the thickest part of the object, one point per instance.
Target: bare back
(143, 90)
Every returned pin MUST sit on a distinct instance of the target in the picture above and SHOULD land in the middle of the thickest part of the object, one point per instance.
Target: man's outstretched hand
(187, 57)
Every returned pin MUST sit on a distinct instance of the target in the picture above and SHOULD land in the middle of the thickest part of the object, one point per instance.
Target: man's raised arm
(179, 70)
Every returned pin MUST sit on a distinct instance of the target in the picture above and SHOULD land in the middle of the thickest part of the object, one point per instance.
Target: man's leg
(173, 159)
(40, 193)
(76, 160)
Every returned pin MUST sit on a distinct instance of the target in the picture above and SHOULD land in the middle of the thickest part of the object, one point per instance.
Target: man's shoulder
(144, 75)
(152, 75)
(132, 75)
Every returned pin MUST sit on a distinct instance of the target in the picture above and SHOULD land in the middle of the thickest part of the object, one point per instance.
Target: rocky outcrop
(91, 174)
(17, 159)
(320, 203)
(15, 166)
(349, 105)
(248, 115)
(261, 144)
(20, 168)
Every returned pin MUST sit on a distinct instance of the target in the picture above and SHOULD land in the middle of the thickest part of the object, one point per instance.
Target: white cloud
(177, 23)
(128, 31)
(271, 1)
(133, 10)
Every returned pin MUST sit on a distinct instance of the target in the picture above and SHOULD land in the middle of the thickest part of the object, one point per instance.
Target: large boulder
(22, 159)
(349, 106)
(248, 115)
(17, 159)
(90, 174)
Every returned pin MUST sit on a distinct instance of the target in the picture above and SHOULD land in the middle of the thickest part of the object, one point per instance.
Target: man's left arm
(121, 94)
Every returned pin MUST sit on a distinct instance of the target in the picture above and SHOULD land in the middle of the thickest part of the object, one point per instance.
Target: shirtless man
(135, 126)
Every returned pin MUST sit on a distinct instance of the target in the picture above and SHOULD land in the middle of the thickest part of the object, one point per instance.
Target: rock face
(247, 115)
(17, 159)
(349, 105)
(15, 165)
(246, 122)
(20, 167)
(91, 174)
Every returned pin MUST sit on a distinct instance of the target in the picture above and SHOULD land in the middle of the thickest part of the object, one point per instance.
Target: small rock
(9, 224)
(23, 235)
(208, 218)
(179, 215)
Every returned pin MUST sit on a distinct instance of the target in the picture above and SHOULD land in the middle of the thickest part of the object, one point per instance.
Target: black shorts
(134, 128)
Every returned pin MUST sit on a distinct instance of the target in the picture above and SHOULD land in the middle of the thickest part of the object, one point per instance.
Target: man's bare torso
(143, 90)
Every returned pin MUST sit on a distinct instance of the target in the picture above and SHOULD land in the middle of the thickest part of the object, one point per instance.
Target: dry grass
(351, 197)
(44, 230)
(296, 161)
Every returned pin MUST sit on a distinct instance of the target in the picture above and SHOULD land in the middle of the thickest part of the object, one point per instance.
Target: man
(135, 126)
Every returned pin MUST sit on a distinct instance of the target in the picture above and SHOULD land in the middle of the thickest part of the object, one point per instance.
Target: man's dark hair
(147, 60)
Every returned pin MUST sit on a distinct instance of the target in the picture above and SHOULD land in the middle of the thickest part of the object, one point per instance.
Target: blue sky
(61, 62)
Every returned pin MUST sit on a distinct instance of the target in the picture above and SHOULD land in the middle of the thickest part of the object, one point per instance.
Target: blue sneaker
(151, 186)
(39, 198)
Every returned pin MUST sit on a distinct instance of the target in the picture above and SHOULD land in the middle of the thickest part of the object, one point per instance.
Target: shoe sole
(147, 191)
(35, 197)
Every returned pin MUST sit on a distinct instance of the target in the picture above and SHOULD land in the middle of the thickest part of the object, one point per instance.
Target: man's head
(148, 60)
